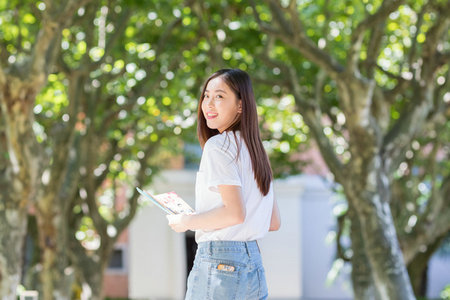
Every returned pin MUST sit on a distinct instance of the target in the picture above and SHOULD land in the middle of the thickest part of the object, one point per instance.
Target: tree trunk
(362, 282)
(19, 172)
(92, 266)
(12, 234)
(418, 273)
(93, 277)
(56, 275)
(48, 258)
(96, 286)
(418, 268)
(370, 197)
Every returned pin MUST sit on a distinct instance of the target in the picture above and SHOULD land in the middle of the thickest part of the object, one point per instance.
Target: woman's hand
(178, 222)
(231, 212)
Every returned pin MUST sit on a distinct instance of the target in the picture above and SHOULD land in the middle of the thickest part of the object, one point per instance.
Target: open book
(170, 202)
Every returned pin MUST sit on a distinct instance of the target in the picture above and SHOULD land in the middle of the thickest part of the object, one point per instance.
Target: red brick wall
(115, 285)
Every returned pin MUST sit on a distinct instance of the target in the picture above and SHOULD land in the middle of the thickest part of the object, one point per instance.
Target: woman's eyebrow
(218, 90)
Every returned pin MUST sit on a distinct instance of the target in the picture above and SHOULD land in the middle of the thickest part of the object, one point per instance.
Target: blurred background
(98, 97)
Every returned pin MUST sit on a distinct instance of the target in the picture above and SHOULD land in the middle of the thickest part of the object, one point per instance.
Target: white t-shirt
(219, 166)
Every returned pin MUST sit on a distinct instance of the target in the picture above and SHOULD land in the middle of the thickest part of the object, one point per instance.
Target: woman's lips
(210, 116)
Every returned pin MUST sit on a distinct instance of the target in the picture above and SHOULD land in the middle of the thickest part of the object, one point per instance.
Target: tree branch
(17, 20)
(121, 224)
(373, 49)
(268, 29)
(312, 116)
(66, 12)
(91, 187)
(62, 135)
(279, 15)
(52, 23)
(416, 113)
(108, 158)
(412, 53)
(271, 62)
(433, 225)
(325, 146)
(310, 111)
(303, 44)
(405, 128)
(339, 249)
(2, 75)
(270, 81)
(214, 52)
(380, 16)
(436, 35)
(119, 29)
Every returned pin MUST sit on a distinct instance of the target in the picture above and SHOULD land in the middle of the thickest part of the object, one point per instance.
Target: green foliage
(284, 135)
(133, 94)
(420, 175)
(445, 294)
(18, 29)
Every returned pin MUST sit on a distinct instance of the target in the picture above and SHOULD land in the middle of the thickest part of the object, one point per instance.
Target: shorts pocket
(225, 278)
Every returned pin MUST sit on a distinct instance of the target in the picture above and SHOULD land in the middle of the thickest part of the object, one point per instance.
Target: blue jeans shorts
(226, 270)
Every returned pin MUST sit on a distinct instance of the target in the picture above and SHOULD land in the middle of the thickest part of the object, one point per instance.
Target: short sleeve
(220, 168)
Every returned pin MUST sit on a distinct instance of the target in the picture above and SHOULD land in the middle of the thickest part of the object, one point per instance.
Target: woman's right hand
(178, 222)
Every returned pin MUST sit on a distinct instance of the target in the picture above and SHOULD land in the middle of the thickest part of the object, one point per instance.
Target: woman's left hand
(178, 222)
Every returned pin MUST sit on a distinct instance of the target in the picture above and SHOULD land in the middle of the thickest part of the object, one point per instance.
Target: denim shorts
(226, 270)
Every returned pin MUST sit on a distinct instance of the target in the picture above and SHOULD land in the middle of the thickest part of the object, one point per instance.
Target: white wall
(438, 275)
(317, 256)
(281, 250)
(157, 256)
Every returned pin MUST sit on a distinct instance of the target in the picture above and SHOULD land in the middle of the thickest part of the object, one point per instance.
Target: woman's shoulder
(219, 139)
(223, 142)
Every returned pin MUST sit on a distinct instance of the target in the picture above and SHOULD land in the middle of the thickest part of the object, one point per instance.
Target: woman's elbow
(275, 225)
(238, 218)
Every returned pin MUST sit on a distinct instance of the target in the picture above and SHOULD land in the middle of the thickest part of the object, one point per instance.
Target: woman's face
(220, 105)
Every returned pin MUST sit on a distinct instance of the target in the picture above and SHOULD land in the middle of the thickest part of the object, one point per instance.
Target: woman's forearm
(232, 212)
(214, 219)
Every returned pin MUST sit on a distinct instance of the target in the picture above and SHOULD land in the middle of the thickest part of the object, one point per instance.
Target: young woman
(234, 196)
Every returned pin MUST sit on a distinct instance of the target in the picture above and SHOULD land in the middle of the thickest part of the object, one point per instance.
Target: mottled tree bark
(382, 248)
(19, 176)
(363, 284)
(11, 251)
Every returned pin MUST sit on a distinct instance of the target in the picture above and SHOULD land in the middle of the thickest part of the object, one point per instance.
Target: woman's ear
(240, 106)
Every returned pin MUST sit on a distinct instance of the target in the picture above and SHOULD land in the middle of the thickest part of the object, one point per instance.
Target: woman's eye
(219, 97)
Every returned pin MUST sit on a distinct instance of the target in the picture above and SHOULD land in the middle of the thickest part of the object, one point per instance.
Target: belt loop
(247, 249)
